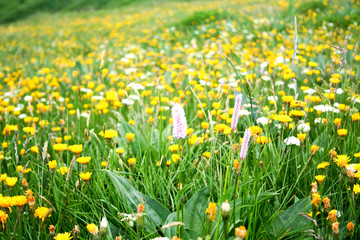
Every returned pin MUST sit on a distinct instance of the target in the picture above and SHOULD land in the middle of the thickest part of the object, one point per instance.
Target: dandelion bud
(235, 116)
(31, 201)
(140, 208)
(52, 231)
(327, 206)
(118, 238)
(225, 210)
(139, 216)
(335, 228)
(351, 179)
(240, 233)
(76, 231)
(314, 187)
(350, 228)
(103, 226)
(25, 183)
(179, 121)
(245, 144)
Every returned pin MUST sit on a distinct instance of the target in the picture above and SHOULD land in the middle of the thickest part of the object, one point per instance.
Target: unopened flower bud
(225, 210)
(240, 232)
(52, 231)
(103, 226)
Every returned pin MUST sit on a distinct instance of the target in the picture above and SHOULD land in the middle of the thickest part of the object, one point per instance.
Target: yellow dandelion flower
(42, 213)
(323, 165)
(356, 188)
(85, 176)
(320, 178)
(211, 211)
(342, 160)
(83, 160)
(11, 181)
(63, 236)
(92, 228)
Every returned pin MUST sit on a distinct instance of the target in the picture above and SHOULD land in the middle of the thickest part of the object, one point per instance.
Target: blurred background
(12, 10)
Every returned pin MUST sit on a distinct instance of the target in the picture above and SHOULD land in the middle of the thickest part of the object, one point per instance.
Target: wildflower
(179, 121)
(292, 141)
(204, 125)
(83, 160)
(323, 165)
(335, 228)
(235, 116)
(245, 144)
(320, 178)
(337, 121)
(93, 229)
(52, 230)
(63, 236)
(333, 153)
(326, 202)
(139, 215)
(236, 165)
(301, 136)
(350, 228)
(3, 177)
(261, 139)
(131, 161)
(342, 132)
(174, 148)
(176, 157)
(283, 118)
(19, 201)
(76, 148)
(189, 131)
(241, 232)
(130, 136)
(356, 188)
(225, 209)
(103, 226)
(29, 130)
(103, 163)
(342, 160)
(60, 147)
(211, 211)
(355, 117)
(42, 213)
(3, 218)
(297, 113)
(63, 170)
(120, 151)
(314, 187)
(315, 199)
(255, 130)
(332, 215)
(357, 155)
(85, 176)
(10, 181)
(52, 165)
(109, 134)
(314, 148)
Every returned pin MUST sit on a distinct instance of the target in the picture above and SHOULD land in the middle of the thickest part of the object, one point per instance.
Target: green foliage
(314, 6)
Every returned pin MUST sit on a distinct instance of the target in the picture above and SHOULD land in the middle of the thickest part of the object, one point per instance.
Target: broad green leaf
(155, 211)
(290, 222)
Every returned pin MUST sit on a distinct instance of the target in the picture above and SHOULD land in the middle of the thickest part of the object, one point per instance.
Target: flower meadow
(230, 119)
